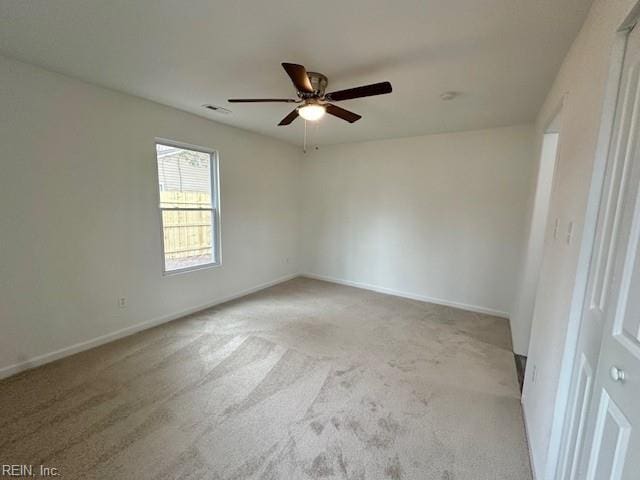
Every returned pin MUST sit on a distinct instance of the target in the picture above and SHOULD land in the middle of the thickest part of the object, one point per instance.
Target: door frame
(560, 423)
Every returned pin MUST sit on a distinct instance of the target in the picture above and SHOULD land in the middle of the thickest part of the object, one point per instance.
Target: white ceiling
(501, 55)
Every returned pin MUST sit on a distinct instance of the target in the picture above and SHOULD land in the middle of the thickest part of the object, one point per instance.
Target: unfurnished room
(295, 240)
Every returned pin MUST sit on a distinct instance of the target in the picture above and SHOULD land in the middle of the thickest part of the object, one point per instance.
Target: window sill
(207, 266)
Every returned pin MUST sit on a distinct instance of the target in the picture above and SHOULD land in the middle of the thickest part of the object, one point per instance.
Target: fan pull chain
(304, 145)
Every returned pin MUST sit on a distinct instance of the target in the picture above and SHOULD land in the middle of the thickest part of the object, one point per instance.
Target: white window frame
(216, 221)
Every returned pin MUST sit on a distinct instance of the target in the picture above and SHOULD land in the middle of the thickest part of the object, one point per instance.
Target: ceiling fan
(310, 88)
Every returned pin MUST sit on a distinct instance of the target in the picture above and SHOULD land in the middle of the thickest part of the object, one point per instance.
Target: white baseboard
(124, 332)
(412, 296)
(526, 434)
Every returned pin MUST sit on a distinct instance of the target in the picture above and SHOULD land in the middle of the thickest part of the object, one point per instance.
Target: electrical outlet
(122, 302)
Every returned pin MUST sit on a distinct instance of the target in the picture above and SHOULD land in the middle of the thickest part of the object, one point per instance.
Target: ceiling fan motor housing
(319, 83)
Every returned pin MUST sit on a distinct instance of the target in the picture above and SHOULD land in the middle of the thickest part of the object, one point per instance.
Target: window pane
(184, 177)
(188, 238)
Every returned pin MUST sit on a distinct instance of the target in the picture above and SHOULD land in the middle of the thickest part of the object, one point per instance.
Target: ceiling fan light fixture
(312, 112)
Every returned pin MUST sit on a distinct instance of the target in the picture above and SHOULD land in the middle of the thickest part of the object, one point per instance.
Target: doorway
(524, 305)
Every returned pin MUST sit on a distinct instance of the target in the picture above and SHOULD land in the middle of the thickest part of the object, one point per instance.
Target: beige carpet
(305, 380)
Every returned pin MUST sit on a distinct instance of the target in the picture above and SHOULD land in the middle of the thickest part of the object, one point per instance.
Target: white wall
(438, 217)
(581, 81)
(79, 225)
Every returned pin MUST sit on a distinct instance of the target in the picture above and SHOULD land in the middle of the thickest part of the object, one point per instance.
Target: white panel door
(612, 449)
(600, 295)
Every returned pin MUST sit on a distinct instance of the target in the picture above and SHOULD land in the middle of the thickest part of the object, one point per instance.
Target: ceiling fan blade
(299, 77)
(342, 113)
(289, 118)
(261, 100)
(359, 92)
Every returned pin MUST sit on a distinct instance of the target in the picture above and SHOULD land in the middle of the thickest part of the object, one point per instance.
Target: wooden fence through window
(187, 233)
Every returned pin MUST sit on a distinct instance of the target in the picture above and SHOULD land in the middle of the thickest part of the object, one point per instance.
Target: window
(188, 190)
